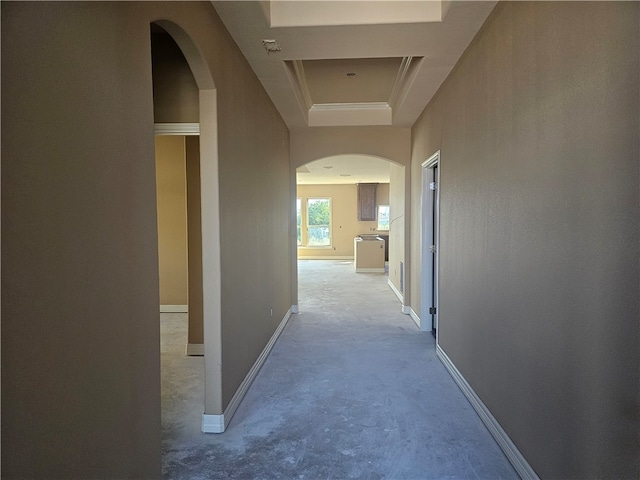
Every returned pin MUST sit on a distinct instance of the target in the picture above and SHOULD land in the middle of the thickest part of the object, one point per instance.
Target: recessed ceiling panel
(356, 80)
(361, 12)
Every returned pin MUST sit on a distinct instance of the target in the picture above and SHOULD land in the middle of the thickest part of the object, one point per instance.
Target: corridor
(352, 389)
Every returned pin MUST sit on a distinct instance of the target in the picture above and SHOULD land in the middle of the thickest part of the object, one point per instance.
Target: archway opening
(185, 104)
(345, 203)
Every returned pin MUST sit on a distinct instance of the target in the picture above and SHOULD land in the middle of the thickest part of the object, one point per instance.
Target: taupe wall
(319, 142)
(538, 132)
(194, 240)
(171, 192)
(80, 333)
(344, 217)
(175, 93)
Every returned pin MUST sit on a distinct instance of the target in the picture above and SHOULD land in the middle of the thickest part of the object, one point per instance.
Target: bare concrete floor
(352, 389)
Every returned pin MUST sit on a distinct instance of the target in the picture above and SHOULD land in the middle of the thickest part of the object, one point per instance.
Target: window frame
(304, 226)
(380, 216)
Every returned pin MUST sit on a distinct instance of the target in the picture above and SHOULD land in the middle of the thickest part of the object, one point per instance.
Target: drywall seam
(506, 444)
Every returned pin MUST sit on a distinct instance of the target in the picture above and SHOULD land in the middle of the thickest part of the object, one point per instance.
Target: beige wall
(397, 194)
(79, 233)
(538, 131)
(171, 185)
(344, 217)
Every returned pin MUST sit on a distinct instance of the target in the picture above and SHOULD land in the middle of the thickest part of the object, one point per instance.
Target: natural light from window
(318, 222)
(383, 217)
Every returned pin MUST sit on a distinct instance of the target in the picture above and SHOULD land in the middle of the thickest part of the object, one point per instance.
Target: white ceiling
(352, 63)
(344, 169)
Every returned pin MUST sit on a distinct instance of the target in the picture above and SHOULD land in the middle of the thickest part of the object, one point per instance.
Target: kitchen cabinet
(367, 208)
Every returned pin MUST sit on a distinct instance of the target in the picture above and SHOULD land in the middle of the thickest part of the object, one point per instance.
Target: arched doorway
(340, 182)
(210, 223)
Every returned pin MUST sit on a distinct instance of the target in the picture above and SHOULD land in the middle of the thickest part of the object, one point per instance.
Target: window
(383, 217)
(299, 220)
(318, 222)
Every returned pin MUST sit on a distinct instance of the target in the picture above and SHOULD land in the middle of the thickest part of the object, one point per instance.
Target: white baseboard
(294, 309)
(396, 291)
(174, 308)
(195, 349)
(506, 444)
(320, 257)
(416, 319)
(219, 423)
(406, 310)
(212, 423)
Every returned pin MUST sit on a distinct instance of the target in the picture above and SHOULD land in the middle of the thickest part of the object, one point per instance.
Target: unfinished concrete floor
(352, 389)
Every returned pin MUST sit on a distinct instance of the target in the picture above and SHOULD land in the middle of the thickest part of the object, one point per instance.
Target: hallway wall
(80, 321)
(538, 131)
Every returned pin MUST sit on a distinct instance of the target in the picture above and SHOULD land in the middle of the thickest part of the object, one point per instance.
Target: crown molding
(176, 128)
(350, 114)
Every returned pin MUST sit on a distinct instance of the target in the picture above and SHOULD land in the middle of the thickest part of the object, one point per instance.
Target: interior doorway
(430, 243)
(339, 182)
(179, 229)
(202, 91)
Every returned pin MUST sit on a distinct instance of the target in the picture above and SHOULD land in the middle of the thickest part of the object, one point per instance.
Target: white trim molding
(516, 458)
(349, 114)
(174, 308)
(327, 257)
(176, 128)
(212, 423)
(416, 319)
(219, 423)
(396, 291)
(195, 349)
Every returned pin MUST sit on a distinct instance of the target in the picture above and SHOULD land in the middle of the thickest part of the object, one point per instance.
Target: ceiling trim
(350, 114)
(298, 68)
(176, 128)
(286, 13)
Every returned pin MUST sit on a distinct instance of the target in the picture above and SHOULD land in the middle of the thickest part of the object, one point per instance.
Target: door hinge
(433, 248)
(433, 186)
(432, 310)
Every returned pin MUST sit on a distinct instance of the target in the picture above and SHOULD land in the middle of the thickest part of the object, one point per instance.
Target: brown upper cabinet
(367, 209)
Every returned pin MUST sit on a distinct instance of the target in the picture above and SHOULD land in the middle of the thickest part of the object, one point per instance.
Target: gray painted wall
(538, 132)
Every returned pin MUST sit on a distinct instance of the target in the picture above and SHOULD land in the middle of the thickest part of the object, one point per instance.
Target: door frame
(430, 230)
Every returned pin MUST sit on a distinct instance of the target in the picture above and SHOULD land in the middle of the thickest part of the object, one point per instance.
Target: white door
(430, 243)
